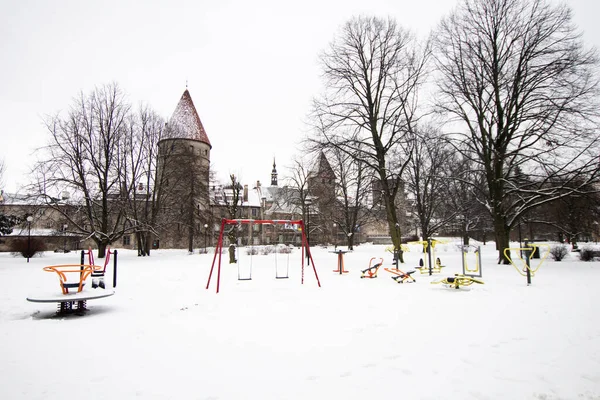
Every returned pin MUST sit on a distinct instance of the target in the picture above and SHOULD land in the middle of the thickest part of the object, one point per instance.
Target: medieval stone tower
(321, 186)
(321, 181)
(183, 177)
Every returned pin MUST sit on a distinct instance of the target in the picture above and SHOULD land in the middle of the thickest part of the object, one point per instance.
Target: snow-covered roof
(18, 199)
(222, 196)
(185, 121)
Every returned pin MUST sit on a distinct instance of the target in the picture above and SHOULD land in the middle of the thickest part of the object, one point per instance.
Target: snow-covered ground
(163, 335)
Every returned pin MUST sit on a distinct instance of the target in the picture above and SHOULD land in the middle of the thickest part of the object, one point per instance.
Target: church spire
(274, 174)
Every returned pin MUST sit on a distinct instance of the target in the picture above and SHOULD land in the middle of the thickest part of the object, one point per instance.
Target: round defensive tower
(183, 173)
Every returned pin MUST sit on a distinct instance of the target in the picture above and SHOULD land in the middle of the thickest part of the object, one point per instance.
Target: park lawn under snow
(164, 336)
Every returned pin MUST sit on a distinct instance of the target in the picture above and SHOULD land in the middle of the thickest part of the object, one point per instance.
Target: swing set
(281, 271)
(278, 275)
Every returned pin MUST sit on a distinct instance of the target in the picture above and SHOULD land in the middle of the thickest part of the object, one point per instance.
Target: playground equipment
(73, 276)
(401, 276)
(245, 271)
(98, 272)
(371, 271)
(244, 274)
(471, 260)
(457, 281)
(228, 222)
(528, 250)
(429, 266)
(280, 272)
(396, 254)
(340, 262)
(65, 270)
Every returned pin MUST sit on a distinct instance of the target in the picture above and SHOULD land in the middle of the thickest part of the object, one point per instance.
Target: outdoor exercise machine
(471, 260)
(396, 252)
(400, 276)
(457, 281)
(429, 266)
(340, 262)
(371, 271)
(228, 222)
(524, 256)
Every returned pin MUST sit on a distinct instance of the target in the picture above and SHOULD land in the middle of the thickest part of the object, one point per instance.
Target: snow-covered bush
(559, 251)
(284, 249)
(588, 254)
(27, 247)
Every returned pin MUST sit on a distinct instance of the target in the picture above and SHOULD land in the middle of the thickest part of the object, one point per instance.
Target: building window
(126, 240)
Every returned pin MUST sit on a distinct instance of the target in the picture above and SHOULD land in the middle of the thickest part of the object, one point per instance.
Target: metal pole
(527, 262)
(28, 238)
(399, 248)
(307, 234)
(115, 269)
(429, 255)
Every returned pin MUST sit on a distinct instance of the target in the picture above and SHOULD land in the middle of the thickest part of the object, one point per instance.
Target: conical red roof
(185, 121)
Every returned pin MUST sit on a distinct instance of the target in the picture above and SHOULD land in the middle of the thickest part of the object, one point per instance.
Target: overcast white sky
(251, 66)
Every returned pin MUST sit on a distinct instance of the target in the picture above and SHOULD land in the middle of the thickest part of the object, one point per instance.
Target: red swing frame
(219, 247)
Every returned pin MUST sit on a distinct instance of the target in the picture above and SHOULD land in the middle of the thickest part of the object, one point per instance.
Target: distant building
(47, 224)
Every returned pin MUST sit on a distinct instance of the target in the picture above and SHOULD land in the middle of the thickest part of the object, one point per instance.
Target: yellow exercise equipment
(458, 280)
(471, 260)
(525, 265)
(424, 267)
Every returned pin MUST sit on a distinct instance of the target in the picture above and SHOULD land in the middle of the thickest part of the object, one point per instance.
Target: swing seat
(457, 281)
(401, 276)
(371, 271)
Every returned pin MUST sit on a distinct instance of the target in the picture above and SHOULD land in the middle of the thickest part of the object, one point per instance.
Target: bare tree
(351, 211)
(7, 222)
(2, 172)
(299, 197)
(372, 72)
(146, 129)
(428, 181)
(516, 75)
(83, 159)
(233, 205)
(465, 189)
(574, 216)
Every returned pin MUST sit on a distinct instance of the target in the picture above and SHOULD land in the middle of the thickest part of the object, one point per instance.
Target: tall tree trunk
(148, 243)
(102, 249)
(502, 239)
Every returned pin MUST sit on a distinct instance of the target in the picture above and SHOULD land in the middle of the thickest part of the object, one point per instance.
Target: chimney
(245, 193)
